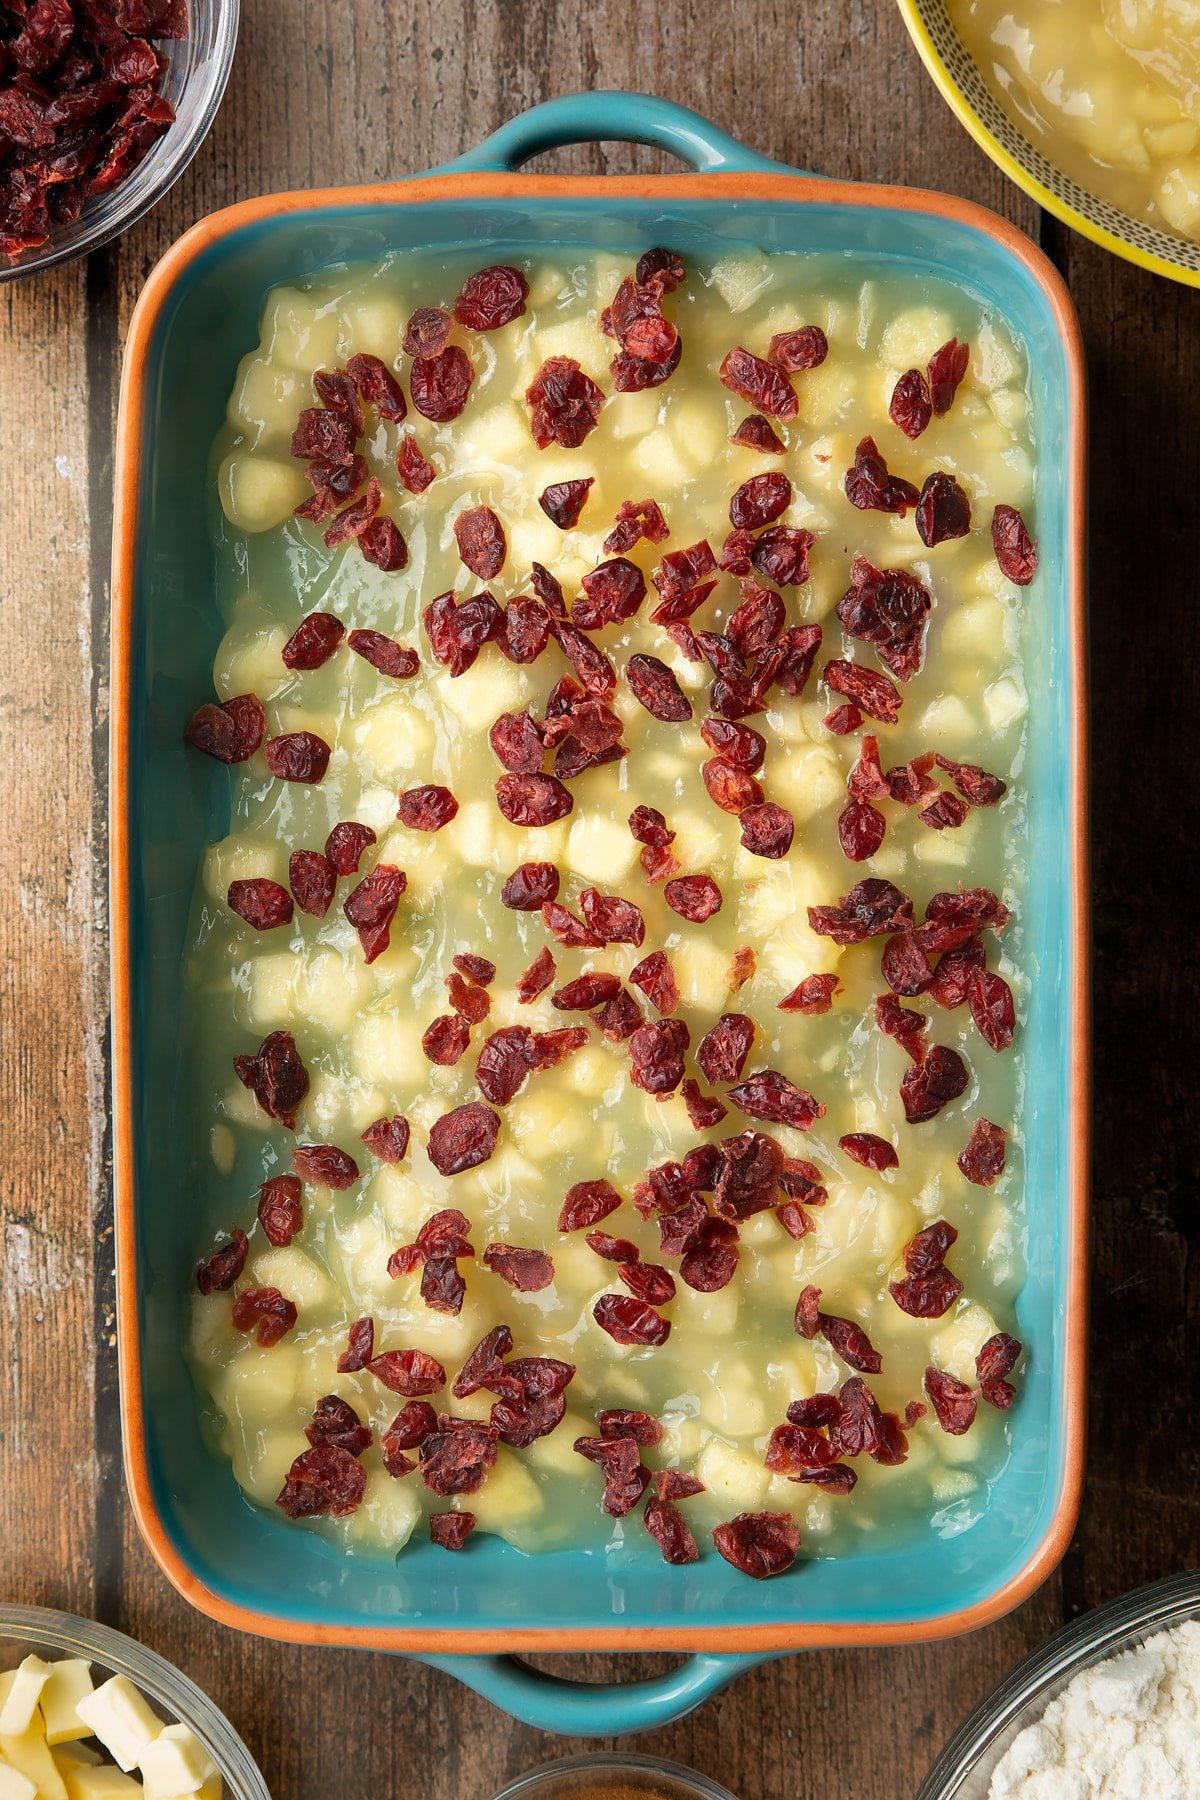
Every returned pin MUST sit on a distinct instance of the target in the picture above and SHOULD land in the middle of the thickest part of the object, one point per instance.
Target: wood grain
(357, 91)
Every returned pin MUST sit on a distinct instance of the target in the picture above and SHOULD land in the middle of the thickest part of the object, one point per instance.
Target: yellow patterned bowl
(963, 85)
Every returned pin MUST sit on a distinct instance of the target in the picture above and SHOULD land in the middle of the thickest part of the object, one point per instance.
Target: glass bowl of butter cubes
(88, 1714)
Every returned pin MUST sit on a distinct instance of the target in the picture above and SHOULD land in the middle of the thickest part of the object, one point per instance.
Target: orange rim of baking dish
(801, 1634)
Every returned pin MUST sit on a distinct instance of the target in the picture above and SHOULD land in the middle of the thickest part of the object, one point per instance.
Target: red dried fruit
(843, 720)
(952, 919)
(669, 1529)
(899, 1022)
(859, 1427)
(230, 733)
(413, 466)
(458, 1457)
(440, 384)
(444, 1233)
(795, 1450)
(722, 1052)
(378, 386)
(632, 374)
(772, 1097)
(563, 501)
(266, 1309)
(529, 1271)
(997, 1358)
(887, 608)
(795, 1221)
(704, 1110)
(861, 830)
(928, 1085)
(530, 886)
(463, 1138)
(612, 592)
(656, 978)
(586, 1203)
(335, 1421)
(219, 1271)
(385, 654)
(635, 519)
(655, 687)
(759, 501)
(491, 298)
(871, 692)
(360, 1347)
(911, 406)
(943, 510)
(322, 436)
(871, 1151)
(947, 367)
(503, 1063)
(275, 1076)
(442, 1287)
(660, 268)
(630, 1321)
(756, 621)
(757, 433)
(872, 908)
(676, 1484)
(806, 347)
(760, 383)
(353, 520)
(953, 1402)
(905, 966)
(871, 487)
(982, 1157)
(427, 808)
(656, 1053)
(972, 782)
(261, 903)
(612, 1249)
(816, 1411)
(610, 919)
(761, 1544)
(279, 1210)
(345, 845)
(928, 1289)
(467, 998)
(946, 813)
(450, 1530)
(371, 907)
(564, 403)
(711, 1262)
(566, 928)
(481, 542)
(1015, 550)
(812, 995)
(625, 1480)
(408, 1372)
(536, 978)
(324, 1165)
(648, 1282)
(731, 788)
(533, 799)
(297, 756)
(485, 1363)
(427, 332)
(445, 1039)
(388, 1139)
(323, 1481)
(781, 556)
(990, 1000)
(524, 630)
(586, 991)
(479, 969)
(313, 642)
(693, 897)
(767, 830)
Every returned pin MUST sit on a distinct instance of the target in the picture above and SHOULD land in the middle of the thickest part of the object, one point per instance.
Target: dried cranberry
(953, 1402)
(905, 966)
(536, 978)
(530, 887)
(427, 332)
(812, 995)
(279, 1210)
(491, 297)
(468, 998)
(450, 1530)
(563, 501)
(533, 799)
(871, 487)
(928, 1085)
(385, 654)
(656, 978)
(676, 1484)
(324, 1165)
(805, 347)
(612, 1249)
(586, 1203)
(413, 466)
(266, 1309)
(767, 830)
(427, 808)
(928, 1294)
(722, 1052)
(872, 693)
(458, 1457)
(313, 642)
(756, 621)
(943, 510)
(625, 1480)
(635, 519)
(656, 1053)
(660, 268)
(481, 542)
(378, 386)
(990, 1000)
(345, 845)
(463, 1138)
(872, 908)
(760, 383)
(887, 608)
(529, 1271)
(655, 687)
(997, 1358)
(297, 756)
(335, 1421)
(630, 1321)
(275, 1076)
(485, 1363)
(442, 1287)
(360, 1346)
(648, 1282)
(440, 384)
(325, 1480)
(445, 1039)
(564, 403)
(586, 991)
(388, 1138)
(610, 919)
(982, 1157)
(761, 1544)
(704, 1110)
(781, 556)
(795, 1450)
(953, 919)
(503, 1063)
(353, 520)
(973, 783)
(911, 406)
(772, 1097)
(230, 733)
(861, 829)
(946, 813)
(261, 903)
(1015, 550)
(731, 788)
(693, 897)
(843, 720)
(947, 366)
(669, 1529)
(759, 501)
(371, 907)
(408, 1372)
(757, 433)
(322, 436)
(219, 1271)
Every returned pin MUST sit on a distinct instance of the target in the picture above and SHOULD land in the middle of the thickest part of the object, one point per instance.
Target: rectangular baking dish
(195, 319)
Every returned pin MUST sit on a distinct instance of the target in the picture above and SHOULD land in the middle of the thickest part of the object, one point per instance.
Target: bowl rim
(1102, 1632)
(433, 1638)
(1109, 226)
(704, 1787)
(152, 1674)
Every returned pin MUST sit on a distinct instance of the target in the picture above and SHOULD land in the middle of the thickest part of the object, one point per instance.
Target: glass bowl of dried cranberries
(103, 103)
(614, 1777)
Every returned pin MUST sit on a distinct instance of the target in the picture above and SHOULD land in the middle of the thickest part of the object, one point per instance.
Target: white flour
(1129, 1729)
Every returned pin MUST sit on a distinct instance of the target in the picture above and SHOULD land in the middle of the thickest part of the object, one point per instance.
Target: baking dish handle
(612, 116)
(587, 1709)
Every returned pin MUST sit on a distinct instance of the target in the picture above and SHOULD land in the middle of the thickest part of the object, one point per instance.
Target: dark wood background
(356, 91)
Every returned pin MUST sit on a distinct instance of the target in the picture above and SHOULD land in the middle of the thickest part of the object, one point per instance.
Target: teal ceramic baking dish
(197, 316)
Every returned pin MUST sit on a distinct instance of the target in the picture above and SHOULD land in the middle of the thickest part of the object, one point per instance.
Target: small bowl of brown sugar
(613, 1777)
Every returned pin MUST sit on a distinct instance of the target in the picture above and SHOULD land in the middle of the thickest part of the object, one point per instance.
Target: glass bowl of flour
(1108, 1709)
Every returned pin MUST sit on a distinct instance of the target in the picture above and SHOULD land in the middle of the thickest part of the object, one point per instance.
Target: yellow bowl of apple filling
(1092, 108)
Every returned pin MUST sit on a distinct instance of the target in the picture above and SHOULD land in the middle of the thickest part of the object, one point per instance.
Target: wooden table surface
(359, 91)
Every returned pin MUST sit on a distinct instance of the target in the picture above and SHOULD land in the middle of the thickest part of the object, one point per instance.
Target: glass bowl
(26, 1630)
(197, 70)
(616, 1775)
(964, 1769)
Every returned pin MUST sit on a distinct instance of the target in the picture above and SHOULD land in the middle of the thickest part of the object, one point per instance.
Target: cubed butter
(24, 1691)
(176, 1763)
(122, 1718)
(69, 1682)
